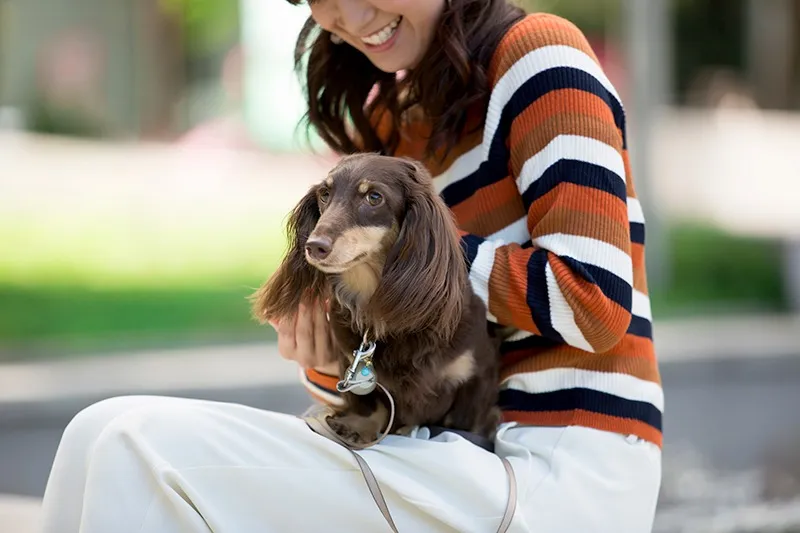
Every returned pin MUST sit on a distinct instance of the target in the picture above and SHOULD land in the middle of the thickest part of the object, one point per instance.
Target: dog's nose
(319, 247)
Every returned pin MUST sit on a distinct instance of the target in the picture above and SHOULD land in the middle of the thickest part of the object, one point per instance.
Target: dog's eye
(374, 198)
(324, 196)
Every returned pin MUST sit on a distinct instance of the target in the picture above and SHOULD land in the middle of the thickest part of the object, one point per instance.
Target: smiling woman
(442, 47)
(395, 38)
(526, 140)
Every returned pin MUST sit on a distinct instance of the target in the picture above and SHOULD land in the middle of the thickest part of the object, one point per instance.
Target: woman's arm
(558, 123)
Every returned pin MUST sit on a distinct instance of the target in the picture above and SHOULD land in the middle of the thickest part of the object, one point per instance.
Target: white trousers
(168, 465)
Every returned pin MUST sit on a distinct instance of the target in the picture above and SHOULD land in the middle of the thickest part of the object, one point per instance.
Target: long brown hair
(450, 79)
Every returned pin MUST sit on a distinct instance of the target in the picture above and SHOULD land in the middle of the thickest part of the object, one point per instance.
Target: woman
(526, 138)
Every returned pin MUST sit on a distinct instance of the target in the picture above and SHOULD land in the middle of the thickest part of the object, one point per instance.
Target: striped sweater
(554, 236)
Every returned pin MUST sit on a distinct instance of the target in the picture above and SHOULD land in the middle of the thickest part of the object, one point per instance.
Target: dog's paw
(353, 429)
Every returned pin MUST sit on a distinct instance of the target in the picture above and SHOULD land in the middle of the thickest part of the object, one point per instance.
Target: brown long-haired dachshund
(377, 241)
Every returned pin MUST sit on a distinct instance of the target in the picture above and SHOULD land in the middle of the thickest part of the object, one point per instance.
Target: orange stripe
(563, 103)
(635, 346)
(631, 346)
(601, 320)
(508, 287)
(581, 199)
(630, 186)
(598, 226)
(639, 273)
(491, 209)
(580, 417)
(570, 357)
(536, 31)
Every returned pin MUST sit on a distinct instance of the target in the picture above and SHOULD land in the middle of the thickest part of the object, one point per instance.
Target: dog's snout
(319, 248)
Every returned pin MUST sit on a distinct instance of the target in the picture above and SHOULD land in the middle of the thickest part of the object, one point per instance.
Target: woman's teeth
(380, 37)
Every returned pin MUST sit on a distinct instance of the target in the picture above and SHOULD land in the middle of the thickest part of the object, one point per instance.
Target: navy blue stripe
(537, 298)
(641, 327)
(533, 342)
(579, 398)
(614, 287)
(558, 78)
(463, 189)
(637, 233)
(469, 245)
(495, 168)
(578, 173)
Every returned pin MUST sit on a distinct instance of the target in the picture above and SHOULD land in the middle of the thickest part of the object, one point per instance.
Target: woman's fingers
(287, 346)
(304, 336)
(322, 340)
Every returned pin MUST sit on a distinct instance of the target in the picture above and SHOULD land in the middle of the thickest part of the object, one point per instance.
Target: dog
(376, 241)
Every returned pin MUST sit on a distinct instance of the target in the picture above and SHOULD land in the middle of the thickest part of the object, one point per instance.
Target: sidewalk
(49, 385)
(51, 389)
(19, 514)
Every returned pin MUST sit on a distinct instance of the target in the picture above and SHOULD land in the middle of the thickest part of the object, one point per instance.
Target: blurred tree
(208, 25)
(592, 17)
(706, 33)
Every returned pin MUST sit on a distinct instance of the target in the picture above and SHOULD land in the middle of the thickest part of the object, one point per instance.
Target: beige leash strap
(511, 505)
(319, 424)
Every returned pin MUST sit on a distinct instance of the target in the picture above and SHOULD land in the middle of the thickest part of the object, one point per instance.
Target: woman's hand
(306, 339)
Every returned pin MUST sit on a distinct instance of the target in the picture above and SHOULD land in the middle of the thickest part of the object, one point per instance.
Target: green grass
(40, 321)
(160, 289)
(715, 272)
(77, 284)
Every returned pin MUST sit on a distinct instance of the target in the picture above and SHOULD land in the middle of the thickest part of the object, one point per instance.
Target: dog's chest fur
(426, 374)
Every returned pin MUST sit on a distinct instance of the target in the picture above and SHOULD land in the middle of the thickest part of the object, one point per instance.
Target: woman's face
(393, 34)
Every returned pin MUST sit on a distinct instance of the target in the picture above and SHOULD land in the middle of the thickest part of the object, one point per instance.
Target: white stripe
(518, 335)
(562, 316)
(641, 305)
(462, 167)
(481, 271)
(526, 67)
(621, 385)
(575, 147)
(635, 213)
(515, 232)
(589, 251)
(325, 395)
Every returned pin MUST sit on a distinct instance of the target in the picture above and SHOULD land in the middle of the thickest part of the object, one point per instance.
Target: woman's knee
(89, 423)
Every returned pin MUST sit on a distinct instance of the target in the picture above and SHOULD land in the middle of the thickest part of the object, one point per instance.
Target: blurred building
(155, 68)
(90, 67)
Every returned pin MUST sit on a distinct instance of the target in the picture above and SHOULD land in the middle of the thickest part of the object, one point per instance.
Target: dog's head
(377, 233)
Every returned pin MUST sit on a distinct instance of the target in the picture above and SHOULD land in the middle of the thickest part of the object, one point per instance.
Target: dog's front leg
(362, 421)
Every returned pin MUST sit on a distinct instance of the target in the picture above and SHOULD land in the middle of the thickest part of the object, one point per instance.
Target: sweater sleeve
(557, 122)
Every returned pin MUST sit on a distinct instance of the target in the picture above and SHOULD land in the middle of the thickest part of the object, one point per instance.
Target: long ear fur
(295, 279)
(423, 281)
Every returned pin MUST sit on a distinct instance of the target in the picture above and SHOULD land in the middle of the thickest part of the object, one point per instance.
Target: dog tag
(360, 377)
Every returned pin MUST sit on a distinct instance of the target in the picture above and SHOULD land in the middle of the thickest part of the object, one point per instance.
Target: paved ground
(728, 386)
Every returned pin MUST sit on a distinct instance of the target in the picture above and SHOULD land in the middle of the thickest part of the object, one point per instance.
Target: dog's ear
(422, 286)
(295, 279)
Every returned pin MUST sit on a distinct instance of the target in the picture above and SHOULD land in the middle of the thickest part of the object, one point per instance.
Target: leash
(361, 379)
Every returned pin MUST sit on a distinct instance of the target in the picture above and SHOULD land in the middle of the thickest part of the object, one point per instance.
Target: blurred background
(150, 151)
